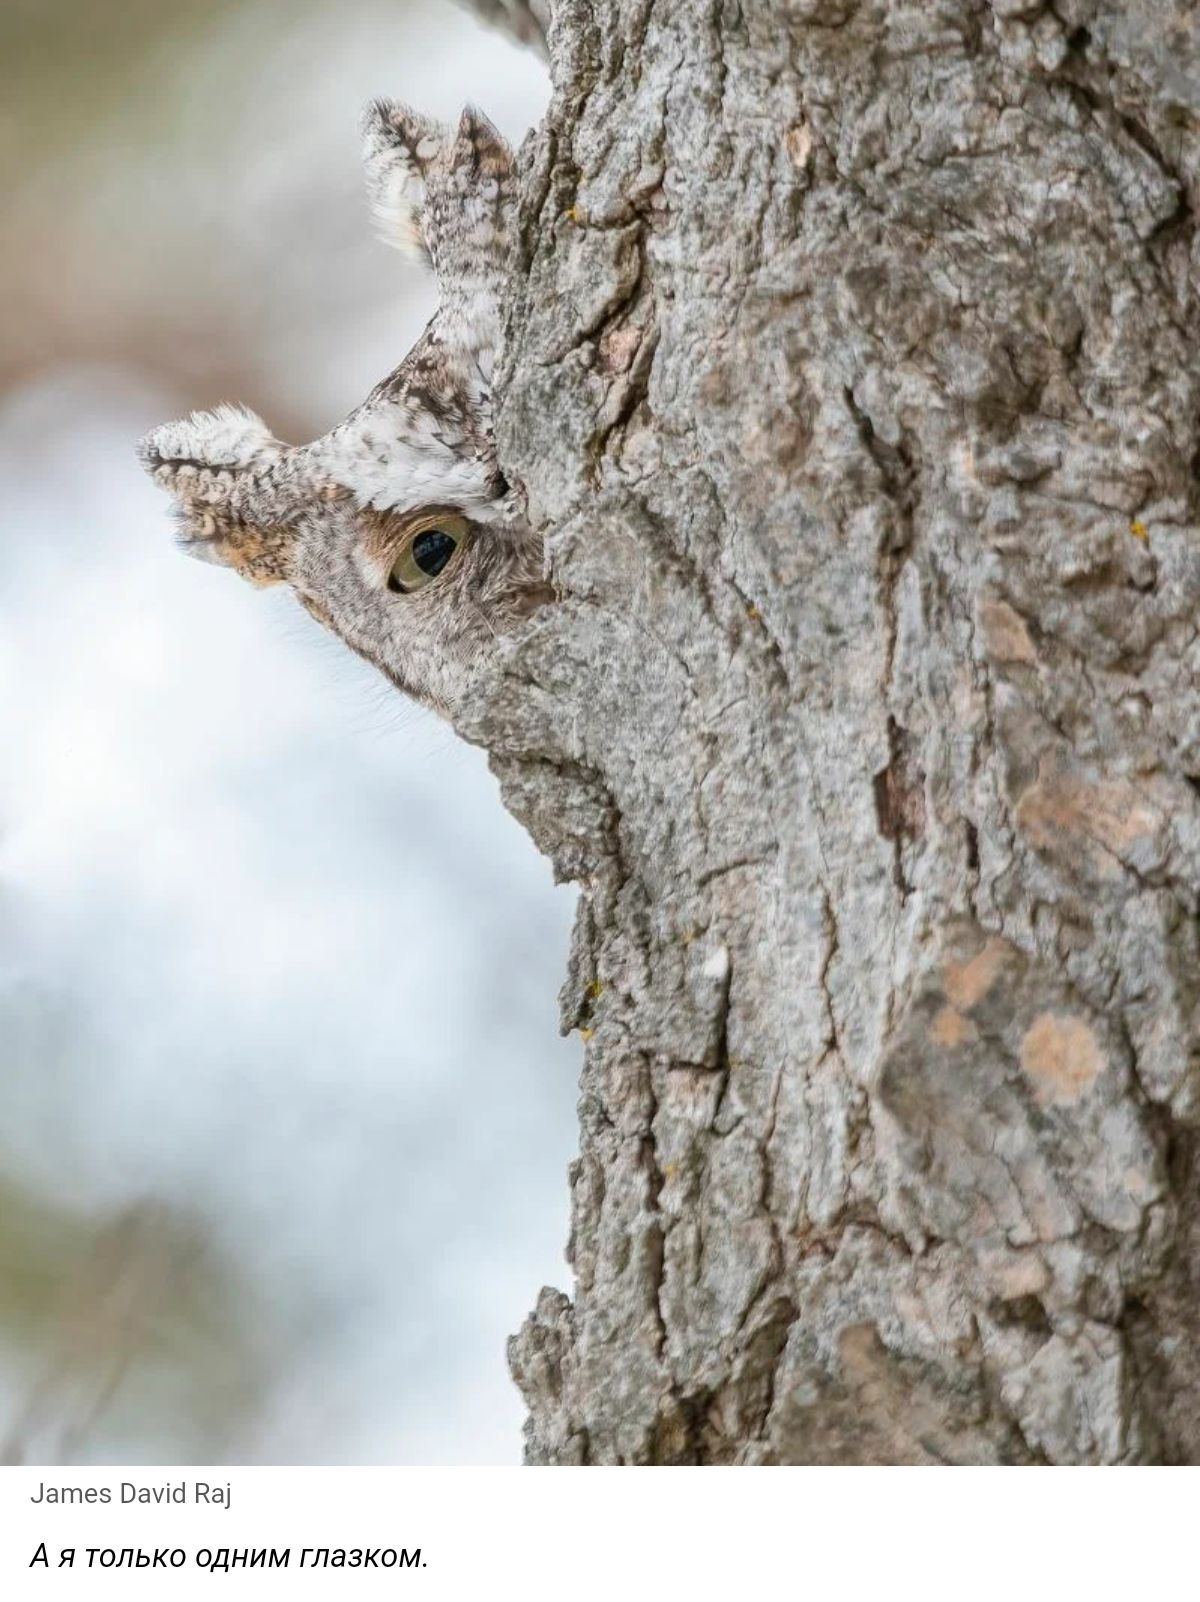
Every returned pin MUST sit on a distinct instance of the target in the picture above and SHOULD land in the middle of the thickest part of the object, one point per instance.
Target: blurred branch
(102, 1326)
(526, 21)
(143, 1321)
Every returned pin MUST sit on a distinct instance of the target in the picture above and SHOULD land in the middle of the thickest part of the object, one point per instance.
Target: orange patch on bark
(966, 983)
(1060, 808)
(1005, 633)
(951, 1029)
(1062, 1058)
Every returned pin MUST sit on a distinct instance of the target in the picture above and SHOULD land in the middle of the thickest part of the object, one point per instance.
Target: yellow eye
(426, 553)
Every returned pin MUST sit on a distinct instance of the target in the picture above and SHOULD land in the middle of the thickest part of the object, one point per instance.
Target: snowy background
(285, 1113)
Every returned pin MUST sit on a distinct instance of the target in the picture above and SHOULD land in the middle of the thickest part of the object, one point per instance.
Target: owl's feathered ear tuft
(480, 149)
(226, 437)
(439, 191)
(398, 146)
(236, 498)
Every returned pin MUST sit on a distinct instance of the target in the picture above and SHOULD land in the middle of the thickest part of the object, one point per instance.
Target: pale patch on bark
(1062, 1058)
(968, 982)
(1005, 633)
(951, 1029)
(1065, 812)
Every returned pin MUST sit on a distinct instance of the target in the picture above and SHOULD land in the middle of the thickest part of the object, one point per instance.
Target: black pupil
(432, 550)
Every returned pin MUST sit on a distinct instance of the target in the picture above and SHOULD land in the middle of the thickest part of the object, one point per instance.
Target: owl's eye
(427, 553)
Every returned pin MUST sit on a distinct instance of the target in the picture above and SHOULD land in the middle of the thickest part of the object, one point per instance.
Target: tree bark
(851, 374)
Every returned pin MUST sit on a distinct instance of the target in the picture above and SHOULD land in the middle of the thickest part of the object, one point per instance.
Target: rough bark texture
(852, 374)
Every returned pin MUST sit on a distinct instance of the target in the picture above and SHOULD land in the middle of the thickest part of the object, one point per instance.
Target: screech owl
(396, 530)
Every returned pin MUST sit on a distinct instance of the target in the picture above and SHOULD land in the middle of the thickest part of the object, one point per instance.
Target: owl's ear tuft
(233, 504)
(480, 150)
(399, 145)
(226, 437)
(440, 191)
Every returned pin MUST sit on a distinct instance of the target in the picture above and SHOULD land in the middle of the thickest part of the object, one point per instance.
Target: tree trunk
(851, 374)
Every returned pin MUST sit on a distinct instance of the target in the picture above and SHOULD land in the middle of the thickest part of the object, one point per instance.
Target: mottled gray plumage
(358, 522)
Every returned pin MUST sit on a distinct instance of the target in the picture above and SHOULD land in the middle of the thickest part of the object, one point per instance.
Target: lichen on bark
(851, 375)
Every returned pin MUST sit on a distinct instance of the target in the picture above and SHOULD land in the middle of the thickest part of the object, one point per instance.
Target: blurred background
(284, 1116)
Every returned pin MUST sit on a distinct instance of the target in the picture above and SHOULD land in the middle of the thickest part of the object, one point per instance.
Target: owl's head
(396, 530)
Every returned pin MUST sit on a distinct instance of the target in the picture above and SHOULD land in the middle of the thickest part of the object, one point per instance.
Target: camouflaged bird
(396, 530)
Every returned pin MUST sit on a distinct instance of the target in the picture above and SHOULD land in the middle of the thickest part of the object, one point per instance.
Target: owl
(396, 530)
